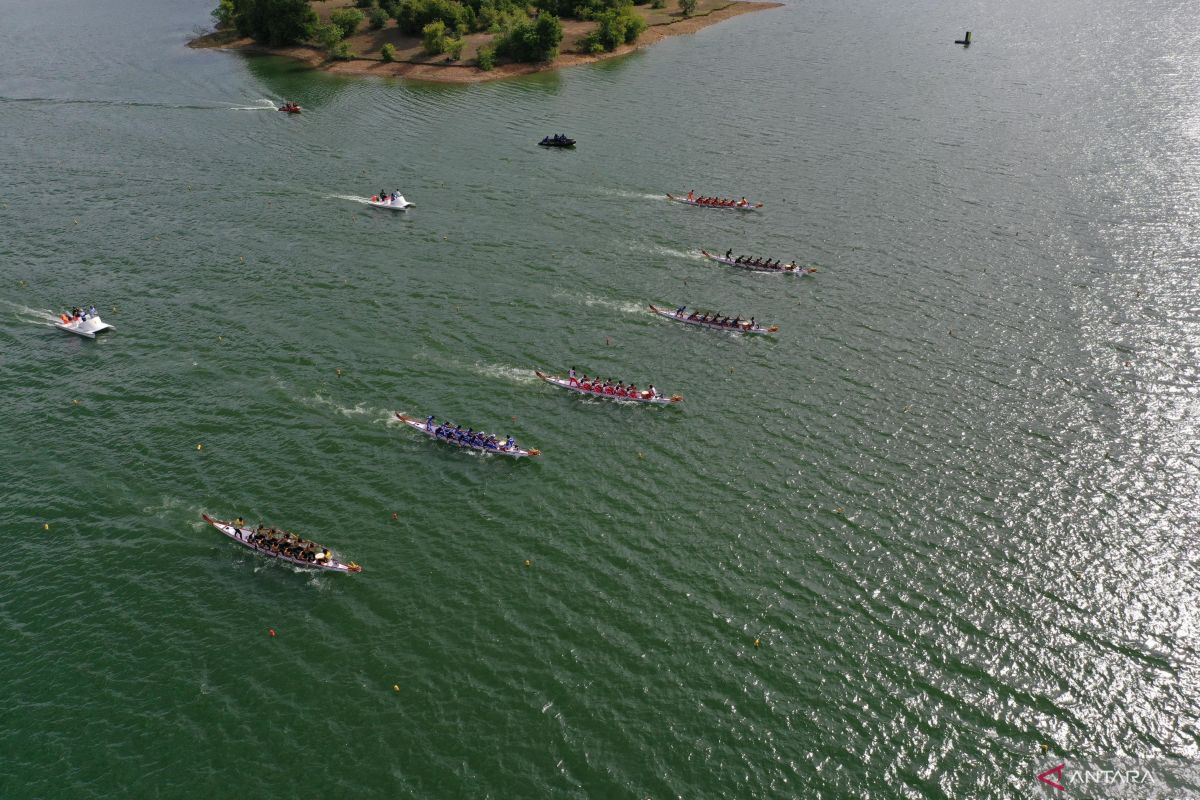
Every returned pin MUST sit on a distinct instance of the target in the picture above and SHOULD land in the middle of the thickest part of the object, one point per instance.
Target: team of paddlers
(469, 437)
(717, 201)
(607, 387)
(762, 263)
(282, 543)
(716, 319)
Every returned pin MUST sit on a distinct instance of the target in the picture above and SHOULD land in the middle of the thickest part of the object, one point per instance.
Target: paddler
(729, 253)
(691, 195)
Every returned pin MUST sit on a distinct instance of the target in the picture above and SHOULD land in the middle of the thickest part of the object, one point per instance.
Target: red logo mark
(1050, 781)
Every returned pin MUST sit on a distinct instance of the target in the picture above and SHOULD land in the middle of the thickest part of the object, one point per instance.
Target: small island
(457, 41)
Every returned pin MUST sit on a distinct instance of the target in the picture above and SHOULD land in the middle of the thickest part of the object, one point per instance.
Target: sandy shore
(412, 62)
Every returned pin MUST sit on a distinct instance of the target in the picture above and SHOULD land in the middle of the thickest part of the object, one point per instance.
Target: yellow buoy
(528, 563)
(199, 447)
(45, 526)
(395, 687)
(757, 643)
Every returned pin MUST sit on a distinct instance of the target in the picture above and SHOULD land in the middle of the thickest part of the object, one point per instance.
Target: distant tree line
(441, 24)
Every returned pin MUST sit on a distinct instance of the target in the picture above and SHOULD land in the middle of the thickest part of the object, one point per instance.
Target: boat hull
(88, 327)
(241, 536)
(757, 329)
(565, 383)
(391, 206)
(420, 426)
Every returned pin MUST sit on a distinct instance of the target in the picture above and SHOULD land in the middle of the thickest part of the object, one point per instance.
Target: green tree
(486, 56)
(635, 25)
(348, 19)
(548, 32)
(378, 18)
(531, 41)
(341, 51)
(433, 37)
(329, 36)
(388, 52)
(688, 7)
(275, 22)
(225, 14)
(413, 15)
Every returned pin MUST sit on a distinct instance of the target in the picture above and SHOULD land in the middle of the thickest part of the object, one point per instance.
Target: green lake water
(938, 536)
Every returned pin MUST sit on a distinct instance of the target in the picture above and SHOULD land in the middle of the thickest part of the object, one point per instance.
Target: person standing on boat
(571, 377)
(691, 194)
(651, 393)
(429, 423)
(729, 254)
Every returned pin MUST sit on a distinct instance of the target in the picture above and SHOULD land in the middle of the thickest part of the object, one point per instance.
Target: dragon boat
(742, 327)
(242, 535)
(639, 397)
(784, 268)
(511, 452)
(735, 207)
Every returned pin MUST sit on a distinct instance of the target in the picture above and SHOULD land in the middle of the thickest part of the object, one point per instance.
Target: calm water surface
(936, 538)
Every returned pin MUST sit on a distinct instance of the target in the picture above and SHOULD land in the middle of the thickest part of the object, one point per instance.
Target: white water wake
(629, 194)
(34, 316)
(505, 372)
(264, 104)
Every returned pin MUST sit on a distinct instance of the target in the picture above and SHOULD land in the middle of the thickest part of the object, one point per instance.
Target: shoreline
(440, 71)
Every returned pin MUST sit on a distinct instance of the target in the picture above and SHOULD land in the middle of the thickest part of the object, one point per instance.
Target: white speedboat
(400, 205)
(85, 324)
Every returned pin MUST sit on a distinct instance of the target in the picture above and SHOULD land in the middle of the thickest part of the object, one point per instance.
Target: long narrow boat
(734, 207)
(640, 397)
(742, 327)
(515, 452)
(242, 537)
(785, 269)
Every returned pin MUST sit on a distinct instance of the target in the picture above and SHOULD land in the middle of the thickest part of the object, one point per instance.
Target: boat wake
(34, 316)
(71, 101)
(624, 306)
(351, 197)
(359, 410)
(505, 373)
(264, 104)
(629, 194)
(691, 255)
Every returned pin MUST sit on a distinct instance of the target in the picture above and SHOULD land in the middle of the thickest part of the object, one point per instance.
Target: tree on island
(348, 19)
(274, 22)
